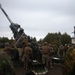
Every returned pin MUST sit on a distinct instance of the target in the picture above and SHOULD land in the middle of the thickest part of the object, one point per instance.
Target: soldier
(65, 48)
(7, 49)
(24, 40)
(45, 54)
(27, 56)
(60, 51)
(51, 55)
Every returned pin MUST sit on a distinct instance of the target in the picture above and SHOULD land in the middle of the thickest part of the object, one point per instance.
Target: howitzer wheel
(39, 68)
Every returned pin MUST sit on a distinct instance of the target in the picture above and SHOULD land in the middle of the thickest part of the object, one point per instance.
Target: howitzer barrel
(0, 6)
(14, 27)
(5, 14)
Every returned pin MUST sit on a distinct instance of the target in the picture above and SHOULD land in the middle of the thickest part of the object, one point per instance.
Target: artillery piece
(18, 32)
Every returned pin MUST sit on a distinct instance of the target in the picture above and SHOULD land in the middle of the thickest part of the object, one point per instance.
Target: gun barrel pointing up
(0, 6)
(5, 14)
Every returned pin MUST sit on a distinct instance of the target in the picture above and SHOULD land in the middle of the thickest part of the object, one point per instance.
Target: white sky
(38, 17)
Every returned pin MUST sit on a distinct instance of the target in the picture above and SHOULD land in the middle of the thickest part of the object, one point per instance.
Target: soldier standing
(50, 55)
(27, 56)
(45, 54)
(65, 48)
(24, 40)
(7, 49)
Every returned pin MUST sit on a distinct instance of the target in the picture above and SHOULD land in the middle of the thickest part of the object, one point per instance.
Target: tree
(57, 38)
(4, 39)
(65, 39)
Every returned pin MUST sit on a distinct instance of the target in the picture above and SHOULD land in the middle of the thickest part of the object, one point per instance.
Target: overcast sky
(38, 17)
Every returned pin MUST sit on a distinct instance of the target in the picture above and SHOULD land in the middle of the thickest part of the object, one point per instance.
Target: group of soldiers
(28, 54)
(11, 51)
(46, 52)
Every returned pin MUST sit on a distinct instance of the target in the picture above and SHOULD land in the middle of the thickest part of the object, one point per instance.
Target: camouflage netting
(69, 63)
(6, 67)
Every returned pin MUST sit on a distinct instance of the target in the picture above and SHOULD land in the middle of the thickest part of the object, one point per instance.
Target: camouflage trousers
(45, 59)
(26, 60)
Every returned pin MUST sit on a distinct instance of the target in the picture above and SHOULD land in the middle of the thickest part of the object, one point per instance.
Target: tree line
(56, 39)
(52, 38)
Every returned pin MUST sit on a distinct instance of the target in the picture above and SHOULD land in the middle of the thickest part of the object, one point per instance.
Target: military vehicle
(18, 32)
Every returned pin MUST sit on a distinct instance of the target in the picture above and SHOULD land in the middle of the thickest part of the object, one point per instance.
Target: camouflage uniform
(60, 51)
(65, 49)
(7, 49)
(45, 54)
(51, 52)
(24, 41)
(6, 67)
(27, 56)
(68, 66)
